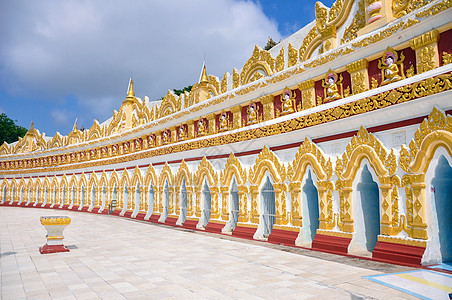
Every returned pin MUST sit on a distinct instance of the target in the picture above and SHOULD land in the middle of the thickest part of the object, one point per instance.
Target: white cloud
(51, 49)
(60, 116)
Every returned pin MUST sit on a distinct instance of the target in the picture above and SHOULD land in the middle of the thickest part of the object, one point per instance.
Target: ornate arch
(54, 188)
(328, 21)
(137, 177)
(13, 190)
(82, 182)
(169, 105)
(184, 173)
(366, 145)
(93, 181)
(38, 184)
(267, 161)
(260, 61)
(56, 142)
(103, 181)
(2, 191)
(22, 185)
(64, 183)
(124, 181)
(95, 132)
(233, 168)
(309, 154)
(166, 174)
(205, 170)
(150, 179)
(434, 132)
(114, 180)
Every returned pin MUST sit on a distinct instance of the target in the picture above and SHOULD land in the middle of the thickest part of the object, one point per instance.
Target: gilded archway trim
(434, 132)
(309, 154)
(166, 174)
(233, 167)
(182, 173)
(205, 170)
(150, 177)
(267, 161)
(137, 177)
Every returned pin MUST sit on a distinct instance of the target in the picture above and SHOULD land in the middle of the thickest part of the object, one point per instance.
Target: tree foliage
(185, 89)
(9, 131)
(270, 44)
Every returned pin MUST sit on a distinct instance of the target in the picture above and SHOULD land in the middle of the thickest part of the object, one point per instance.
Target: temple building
(337, 139)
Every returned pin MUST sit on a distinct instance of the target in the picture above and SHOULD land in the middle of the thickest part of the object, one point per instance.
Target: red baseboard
(171, 221)
(244, 232)
(214, 227)
(190, 224)
(52, 249)
(154, 218)
(331, 244)
(140, 216)
(285, 237)
(128, 214)
(397, 253)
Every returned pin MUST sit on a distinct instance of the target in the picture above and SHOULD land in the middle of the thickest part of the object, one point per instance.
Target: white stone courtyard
(116, 258)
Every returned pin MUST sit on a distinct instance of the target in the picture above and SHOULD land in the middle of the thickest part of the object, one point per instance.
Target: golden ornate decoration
(447, 58)
(435, 9)
(429, 86)
(261, 63)
(287, 102)
(403, 7)
(378, 36)
(267, 160)
(293, 56)
(358, 83)
(279, 61)
(359, 21)
(425, 59)
(332, 86)
(224, 83)
(253, 113)
(409, 159)
(224, 121)
(391, 66)
(57, 220)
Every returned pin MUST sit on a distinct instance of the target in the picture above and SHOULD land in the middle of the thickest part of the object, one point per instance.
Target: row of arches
(365, 196)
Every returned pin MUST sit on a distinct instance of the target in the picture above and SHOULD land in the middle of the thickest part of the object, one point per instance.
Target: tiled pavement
(117, 258)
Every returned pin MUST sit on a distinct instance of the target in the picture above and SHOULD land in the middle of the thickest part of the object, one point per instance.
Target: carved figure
(253, 110)
(224, 122)
(201, 127)
(165, 137)
(287, 103)
(181, 133)
(389, 65)
(332, 86)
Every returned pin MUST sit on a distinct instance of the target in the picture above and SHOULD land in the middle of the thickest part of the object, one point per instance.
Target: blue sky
(62, 60)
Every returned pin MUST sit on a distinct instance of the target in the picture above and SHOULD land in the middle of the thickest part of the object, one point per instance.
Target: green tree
(185, 89)
(9, 131)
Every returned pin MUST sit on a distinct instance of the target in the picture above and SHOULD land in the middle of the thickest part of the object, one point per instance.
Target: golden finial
(204, 78)
(130, 92)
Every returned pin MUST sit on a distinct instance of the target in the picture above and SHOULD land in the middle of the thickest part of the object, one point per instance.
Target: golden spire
(130, 92)
(204, 79)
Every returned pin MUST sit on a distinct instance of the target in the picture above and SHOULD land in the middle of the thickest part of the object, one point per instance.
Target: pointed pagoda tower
(127, 107)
